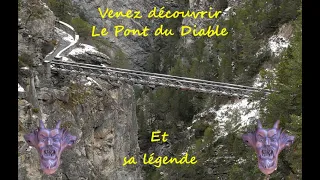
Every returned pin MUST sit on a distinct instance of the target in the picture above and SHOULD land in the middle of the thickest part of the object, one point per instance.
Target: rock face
(35, 30)
(137, 48)
(100, 114)
(89, 55)
(104, 121)
(35, 37)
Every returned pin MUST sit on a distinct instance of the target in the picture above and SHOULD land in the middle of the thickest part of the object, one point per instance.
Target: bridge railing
(248, 88)
(139, 77)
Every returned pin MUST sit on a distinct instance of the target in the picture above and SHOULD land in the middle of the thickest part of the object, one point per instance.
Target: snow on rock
(83, 49)
(227, 9)
(20, 89)
(25, 68)
(226, 13)
(259, 83)
(242, 113)
(90, 81)
(277, 44)
(232, 116)
(65, 36)
(88, 54)
(45, 5)
(262, 83)
(66, 59)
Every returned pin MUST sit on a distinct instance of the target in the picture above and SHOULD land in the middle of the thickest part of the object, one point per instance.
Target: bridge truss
(152, 79)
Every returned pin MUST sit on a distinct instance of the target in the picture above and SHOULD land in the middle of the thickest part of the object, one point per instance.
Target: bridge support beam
(47, 67)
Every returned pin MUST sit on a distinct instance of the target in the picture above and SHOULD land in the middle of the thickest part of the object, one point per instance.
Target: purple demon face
(50, 143)
(268, 143)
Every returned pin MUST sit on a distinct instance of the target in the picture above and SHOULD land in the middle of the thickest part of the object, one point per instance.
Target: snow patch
(227, 9)
(68, 38)
(277, 44)
(262, 83)
(29, 148)
(20, 89)
(225, 13)
(65, 59)
(232, 116)
(65, 36)
(243, 112)
(25, 68)
(90, 81)
(259, 83)
(83, 48)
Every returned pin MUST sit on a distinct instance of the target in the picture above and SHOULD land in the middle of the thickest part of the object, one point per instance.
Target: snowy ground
(66, 59)
(83, 49)
(65, 36)
(277, 44)
(242, 112)
(239, 114)
(261, 83)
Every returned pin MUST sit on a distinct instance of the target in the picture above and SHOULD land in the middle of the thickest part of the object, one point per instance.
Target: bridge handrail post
(47, 66)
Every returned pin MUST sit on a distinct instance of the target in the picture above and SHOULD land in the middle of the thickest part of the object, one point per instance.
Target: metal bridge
(143, 78)
(153, 79)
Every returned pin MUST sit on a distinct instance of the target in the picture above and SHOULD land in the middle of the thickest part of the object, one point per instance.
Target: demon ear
(58, 125)
(276, 124)
(249, 139)
(285, 140)
(68, 139)
(41, 125)
(259, 124)
(31, 138)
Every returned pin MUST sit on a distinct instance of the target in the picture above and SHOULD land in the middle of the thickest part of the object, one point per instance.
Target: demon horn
(41, 124)
(259, 124)
(58, 125)
(276, 124)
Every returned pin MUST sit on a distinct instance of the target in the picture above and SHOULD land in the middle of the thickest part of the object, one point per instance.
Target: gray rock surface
(101, 115)
(90, 57)
(104, 121)
(137, 49)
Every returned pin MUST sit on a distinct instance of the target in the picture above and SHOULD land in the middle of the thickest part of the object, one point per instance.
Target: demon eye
(71, 142)
(43, 139)
(260, 138)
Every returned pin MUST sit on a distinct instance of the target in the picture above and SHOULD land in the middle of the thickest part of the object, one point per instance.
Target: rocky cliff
(100, 114)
